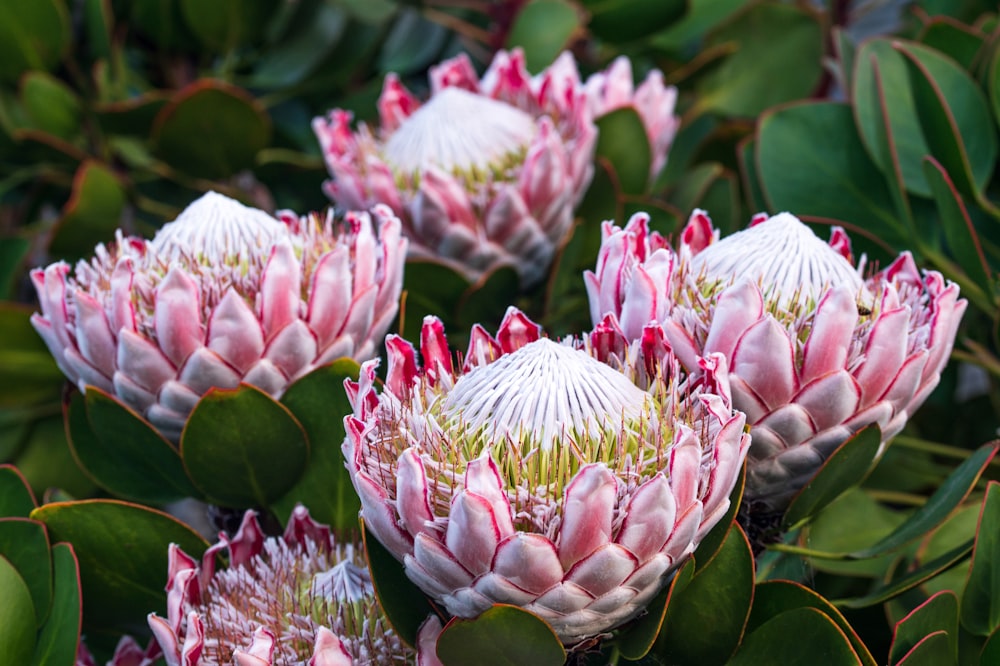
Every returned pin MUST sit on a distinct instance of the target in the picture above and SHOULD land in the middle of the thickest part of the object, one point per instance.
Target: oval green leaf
(939, 614)
(211, 129)
(624, 20)
(242, 449)
(981, 598)
(636, 640)
(15, 494)
(51, 105)
(17, 618)
(25, 544)
(622, 141)
(34, 34)
(543, 29)
(122, 552)
(59, 639)
(92, 213)
(782, 640)
(932, 650)
(224, 25)
(502, 636)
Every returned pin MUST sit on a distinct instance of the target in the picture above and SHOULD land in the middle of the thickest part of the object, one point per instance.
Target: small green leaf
(413, 43)
(92, 213)
(501, 636)
(981, 599)
(774, 597)
(16, 499)
(622, 141)
(59, 639)
(404, 605)
(846, 467)
(224, 25)
(625, 20)
(722, 589)
(51, 105)
(98, 22)
(320, 403)
(932, 650)
(958, 41)
(937, 614)
(211, 129)
(17, 618)
(543, 29)
(122, 451)
(241, 448)
(638, 639)
(939, 506)
(122, 552)
(291, 60)
(163, 23)
(34, 34)
(25, 545)
(799, 637)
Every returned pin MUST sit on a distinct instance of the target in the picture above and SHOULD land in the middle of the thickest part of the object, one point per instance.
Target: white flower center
(790, 262)
(216, 229)
(457, 130)
(545, 390)
(345, 582)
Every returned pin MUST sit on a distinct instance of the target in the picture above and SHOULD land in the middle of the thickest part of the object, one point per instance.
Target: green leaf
(241, 448)
(16, 499)
(12, 252)
(772, 598)
(59, 638)
(291, 60)
(25, 545)
(777, 57)
(430, 288)
(404, 605)
(485, 300)
(122, 552)
(622, 141)
(224, 25)
(713, 541)
(722, 589)
(122, 452)
(638, 639)
(939, 506)
(958, 41)
(163, 22)
(51, 105)
(413, 44)
(846, 467)
(34, 34)
(746, 151)
(319, 402)
(932, 650)
(543, 29)
(47, 462)
(92, 213)
(702, 16)
(211, 129)
(625, 20)
(993, 85)
(17, 618)
(98, 22)
(937, 614)
(833, 178)
(990, 653)
(799, 637)
(502, 636)
(981, 599)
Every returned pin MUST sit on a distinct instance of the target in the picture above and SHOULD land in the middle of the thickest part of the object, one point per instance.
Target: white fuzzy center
(457, 130)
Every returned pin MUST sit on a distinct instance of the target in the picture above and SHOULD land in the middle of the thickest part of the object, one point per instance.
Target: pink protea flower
(540, 476)
(299, 600)
(815, 350)
(485, 173)
(222, 295)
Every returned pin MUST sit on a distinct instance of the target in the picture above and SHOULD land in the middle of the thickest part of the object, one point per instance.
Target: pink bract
(570, 479)
(224, 294)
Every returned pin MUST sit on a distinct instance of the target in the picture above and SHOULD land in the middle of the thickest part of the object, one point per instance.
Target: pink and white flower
(300, 600)
(222, 295)
(537, 475)
(816, 351)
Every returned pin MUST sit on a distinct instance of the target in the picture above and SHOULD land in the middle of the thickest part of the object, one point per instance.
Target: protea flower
(222, 295)
(295, 600)
(816, 351)
(485, 173)
(539, 476)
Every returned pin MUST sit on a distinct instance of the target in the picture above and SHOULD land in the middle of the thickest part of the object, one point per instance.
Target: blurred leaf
(993, 84)
(846, 467)
(486, 300)
(92, 213)
(211, 129)
(959, 528)
(702, 16)
(296, 57)
(224, 25)
(242, 448)
(134, 116)
(122, 451)
(772, 598)
(981, 599)
(543, 29)
(637, 640)
(319, 402)
(624, 20)
(622, 141)
(778, 59)
(937, 614)
(371, 11)
(34, 34)
(934, 649)
(25, 545)
(834, 178)
(17, 618)
(28, 373)
(15, 495)
(47, 463)
(404, 605)
(939, 506)
(12, 252)
(52, 105)
(722, 589)
(958, 41)
(815, 639)
(98, 22)
(413, 43)
(431, 288)
(59, 638)
(502, 636)
(122, 551)
(749, 175)
(163, 22)
(991, 650)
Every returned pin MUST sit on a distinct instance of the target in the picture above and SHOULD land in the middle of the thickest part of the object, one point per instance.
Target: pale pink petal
(529, 561)
(234, 332)
(177, 316)
(280, 290)
(473, 533)
(329, 650)
(649, 518)
(830, 338)
(884, 355)
(412, 495)
(765, 360)
(588, 513)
